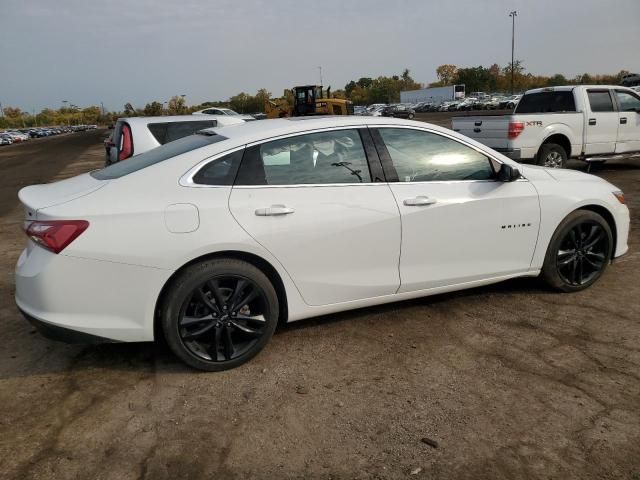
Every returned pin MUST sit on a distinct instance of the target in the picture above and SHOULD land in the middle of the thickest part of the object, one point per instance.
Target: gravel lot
(503, 382)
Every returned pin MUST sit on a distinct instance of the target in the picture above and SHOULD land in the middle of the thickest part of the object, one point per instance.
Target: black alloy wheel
(583, 253)
(223, 318)
(218, 314)
(579, 252)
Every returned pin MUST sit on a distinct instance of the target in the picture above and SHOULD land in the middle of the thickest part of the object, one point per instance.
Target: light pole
(184, 103)
(320, 69)
(513, 16)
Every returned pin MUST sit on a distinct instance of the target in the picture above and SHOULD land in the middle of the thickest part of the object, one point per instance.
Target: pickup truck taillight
(515, 129)
(55, 235)
(127, 143)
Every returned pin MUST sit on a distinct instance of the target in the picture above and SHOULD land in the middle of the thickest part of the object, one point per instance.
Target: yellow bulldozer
(308, 100)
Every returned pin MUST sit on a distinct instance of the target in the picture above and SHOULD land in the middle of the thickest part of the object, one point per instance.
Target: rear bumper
(61, 334)
(96, 299)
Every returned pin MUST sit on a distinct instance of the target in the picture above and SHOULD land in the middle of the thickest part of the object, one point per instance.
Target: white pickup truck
(549, 125)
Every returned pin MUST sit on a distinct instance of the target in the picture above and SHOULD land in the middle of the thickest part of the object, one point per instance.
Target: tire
(552, 155)
(207, 323)
(411, 116)
(578, 253)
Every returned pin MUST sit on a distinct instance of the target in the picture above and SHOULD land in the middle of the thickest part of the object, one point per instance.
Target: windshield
(157, 155)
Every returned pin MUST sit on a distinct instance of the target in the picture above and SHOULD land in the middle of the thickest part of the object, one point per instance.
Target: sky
(118, 51)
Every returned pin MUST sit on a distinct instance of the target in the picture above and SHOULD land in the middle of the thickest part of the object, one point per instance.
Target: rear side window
(157, 155)
(221, 171)
(317, 158)
(547, 102)
(600, 101)
(165, 132)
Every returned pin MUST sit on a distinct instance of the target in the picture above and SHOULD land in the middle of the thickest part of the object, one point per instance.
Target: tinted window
(157, 155)
(547, 102)
(169, 131)
(627, 101)
(600, 101)
(320, 158)
(221, 171)
(422, 156)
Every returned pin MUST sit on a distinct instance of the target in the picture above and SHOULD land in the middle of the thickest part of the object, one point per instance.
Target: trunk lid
(37, 197)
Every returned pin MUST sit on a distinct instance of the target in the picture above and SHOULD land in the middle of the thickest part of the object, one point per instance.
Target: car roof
(264, 129)
(565, 88)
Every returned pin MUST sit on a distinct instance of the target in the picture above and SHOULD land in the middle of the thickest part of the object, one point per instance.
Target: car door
(309, 199)
(459, 223)
(629, 121)
(601, 129)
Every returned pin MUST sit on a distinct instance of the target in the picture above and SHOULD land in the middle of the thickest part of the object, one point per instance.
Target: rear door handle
(592, 121)
(274, 210)
(623, 120)
(419, 201)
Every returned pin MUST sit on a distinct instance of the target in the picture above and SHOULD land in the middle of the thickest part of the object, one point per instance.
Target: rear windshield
(157, 155)
(165, 132)
(547, 102)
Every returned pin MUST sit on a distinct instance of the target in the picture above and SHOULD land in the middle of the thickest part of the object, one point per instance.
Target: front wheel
(219, 314)
(552, 156)
(578, 253)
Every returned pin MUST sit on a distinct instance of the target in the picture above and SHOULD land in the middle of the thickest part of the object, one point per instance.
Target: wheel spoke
(567, 261)
(594, 241)
(248, 318)
(248, 296)
(240, 286)
(188, 321)
(227, 344)
(595, 264)
(217, 294)
(207, 301)
(245, 329)
(213, 348)
(199, 332)
(580, 271)
(573, 238)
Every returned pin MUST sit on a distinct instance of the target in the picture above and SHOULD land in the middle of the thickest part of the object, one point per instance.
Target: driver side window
(420, 156)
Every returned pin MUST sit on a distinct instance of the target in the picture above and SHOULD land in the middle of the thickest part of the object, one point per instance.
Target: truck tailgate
(489, 130)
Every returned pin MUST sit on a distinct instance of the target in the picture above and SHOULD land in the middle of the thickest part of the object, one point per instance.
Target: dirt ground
(506, 382)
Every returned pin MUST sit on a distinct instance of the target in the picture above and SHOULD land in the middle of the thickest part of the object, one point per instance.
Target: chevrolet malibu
(215, 238)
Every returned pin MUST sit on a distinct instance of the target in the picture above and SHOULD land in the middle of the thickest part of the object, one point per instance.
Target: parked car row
(9, 137)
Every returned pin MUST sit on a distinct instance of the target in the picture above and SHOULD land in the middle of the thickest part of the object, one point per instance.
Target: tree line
(364, 91)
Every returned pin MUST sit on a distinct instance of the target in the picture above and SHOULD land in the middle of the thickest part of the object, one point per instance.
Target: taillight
(127, 143)
(55, 235)
(515, 129)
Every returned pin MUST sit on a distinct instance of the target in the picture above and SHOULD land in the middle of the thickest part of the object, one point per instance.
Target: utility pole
(320, 69)
(513, 16)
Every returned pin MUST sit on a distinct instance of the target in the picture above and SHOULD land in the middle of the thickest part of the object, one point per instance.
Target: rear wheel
(411, 116)
(219, 314)
(579, 252)
(552, 155)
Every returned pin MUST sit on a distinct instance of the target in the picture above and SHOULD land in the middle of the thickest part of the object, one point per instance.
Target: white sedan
(213, 239)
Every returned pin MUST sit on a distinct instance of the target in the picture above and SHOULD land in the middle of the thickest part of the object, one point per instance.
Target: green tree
(176, 105)
(153, 109)
(446, 74)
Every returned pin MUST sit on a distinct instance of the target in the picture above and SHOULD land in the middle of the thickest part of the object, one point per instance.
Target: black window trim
(390, 170)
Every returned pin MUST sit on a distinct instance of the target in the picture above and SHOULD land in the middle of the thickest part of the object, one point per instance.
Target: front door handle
(419, 201)
(623, 120)
(592, 121)
(274, 210)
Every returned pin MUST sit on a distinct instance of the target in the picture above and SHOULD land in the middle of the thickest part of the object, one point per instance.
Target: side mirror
(507, 173)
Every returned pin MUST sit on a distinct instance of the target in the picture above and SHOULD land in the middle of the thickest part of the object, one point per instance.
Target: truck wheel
(552, 155)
